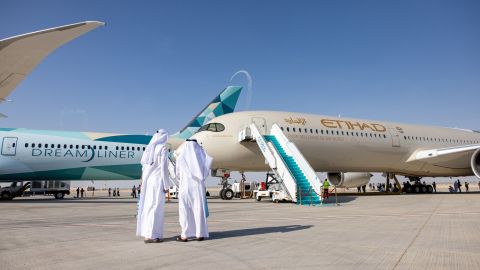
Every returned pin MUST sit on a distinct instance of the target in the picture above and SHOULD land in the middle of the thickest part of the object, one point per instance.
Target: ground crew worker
(326, 185)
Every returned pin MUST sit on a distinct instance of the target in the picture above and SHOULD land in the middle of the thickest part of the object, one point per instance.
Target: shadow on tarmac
(257, 231)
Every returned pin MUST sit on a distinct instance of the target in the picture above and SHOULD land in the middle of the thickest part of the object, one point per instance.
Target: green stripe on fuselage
(139, 139)
(117, 172)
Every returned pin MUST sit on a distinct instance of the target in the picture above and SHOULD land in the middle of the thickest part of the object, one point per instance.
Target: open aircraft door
(261, 124)
(395, 133)
(9, 146)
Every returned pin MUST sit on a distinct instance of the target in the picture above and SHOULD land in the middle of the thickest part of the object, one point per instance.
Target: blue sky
(157, 63)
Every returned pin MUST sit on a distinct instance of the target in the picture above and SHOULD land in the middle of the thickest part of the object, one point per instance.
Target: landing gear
(417, 186)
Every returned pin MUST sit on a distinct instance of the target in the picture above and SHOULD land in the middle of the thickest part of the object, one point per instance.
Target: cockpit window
(214, 127)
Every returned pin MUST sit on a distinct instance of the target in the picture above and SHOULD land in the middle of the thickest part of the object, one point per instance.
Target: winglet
(19, 55)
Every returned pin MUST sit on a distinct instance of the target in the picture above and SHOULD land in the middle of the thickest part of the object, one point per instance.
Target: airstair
(171, 171)
(298, 179)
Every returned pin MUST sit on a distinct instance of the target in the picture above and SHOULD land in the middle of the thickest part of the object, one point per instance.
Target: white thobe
(191, 206)
(152, 196)
(193, 166)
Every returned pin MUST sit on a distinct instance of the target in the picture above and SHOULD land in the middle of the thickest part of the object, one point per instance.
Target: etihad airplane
(342, 147)
(29, 155)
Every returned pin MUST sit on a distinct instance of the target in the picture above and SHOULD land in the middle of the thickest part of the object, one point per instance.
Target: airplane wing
(19, 55)
(451, 157)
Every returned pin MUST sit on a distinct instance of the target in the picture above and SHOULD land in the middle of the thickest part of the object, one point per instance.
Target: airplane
(29, 155)
(347, 149)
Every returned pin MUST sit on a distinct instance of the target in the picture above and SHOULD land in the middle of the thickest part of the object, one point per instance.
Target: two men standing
(192, 167)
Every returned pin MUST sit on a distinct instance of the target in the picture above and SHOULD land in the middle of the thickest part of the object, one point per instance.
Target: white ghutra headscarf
(158, 140)
(195, 159)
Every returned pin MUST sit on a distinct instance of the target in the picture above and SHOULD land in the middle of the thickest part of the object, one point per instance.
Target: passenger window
(88, 146)
(33, 145)
(293, 129)
(288, 129)
(83, 146)
(76, 146)
(138, 148)
(94, 147)
(71, 146)
(128, 148)
(64, 146)
(316, 131)
(300, 130)
(117, 148)
(281, 128)
(106, 147)
(39, 145)
(100, 147)
(143, 148)
(26, 145)
(123, 148)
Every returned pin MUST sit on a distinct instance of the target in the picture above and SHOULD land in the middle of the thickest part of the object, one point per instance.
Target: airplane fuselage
(55, 155)
(333, 144)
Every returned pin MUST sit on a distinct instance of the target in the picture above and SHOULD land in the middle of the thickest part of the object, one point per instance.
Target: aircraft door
(261, 124)
(395, 137)
(9, 146)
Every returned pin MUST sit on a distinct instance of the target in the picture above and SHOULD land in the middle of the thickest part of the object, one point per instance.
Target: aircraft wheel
(429, 189)
(229, 194)
(408, 189)
(222, 194)
(416, 189)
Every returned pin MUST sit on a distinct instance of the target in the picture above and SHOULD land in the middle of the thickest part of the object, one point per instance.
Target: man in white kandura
(192, 167)
(155, 184)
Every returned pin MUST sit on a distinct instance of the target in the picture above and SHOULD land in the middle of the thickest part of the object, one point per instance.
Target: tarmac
(431, 231)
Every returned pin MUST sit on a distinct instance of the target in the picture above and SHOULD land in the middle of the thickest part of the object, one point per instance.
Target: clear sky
(157, 63)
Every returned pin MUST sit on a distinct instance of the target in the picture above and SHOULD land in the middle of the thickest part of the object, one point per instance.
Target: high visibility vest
(326, 184)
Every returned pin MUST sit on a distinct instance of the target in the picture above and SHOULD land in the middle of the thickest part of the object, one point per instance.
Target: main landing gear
(417, 186)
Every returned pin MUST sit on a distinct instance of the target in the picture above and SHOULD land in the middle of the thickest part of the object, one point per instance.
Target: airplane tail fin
(222, 104)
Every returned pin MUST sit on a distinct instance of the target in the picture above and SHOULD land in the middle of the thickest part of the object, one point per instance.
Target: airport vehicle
(15, 189)
(296, 145)
(56, 188)
(247, 189)
(29, 155)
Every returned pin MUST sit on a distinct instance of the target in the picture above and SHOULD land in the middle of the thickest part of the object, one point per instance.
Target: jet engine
(349, 179)
(476, 163)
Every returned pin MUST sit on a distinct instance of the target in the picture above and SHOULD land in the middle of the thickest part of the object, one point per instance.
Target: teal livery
(28, 155)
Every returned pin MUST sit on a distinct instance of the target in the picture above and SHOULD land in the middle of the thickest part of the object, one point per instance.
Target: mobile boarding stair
(298, 179)
(173, 189)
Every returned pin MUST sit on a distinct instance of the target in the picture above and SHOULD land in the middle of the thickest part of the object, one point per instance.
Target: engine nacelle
(350, 179)
(475, 163)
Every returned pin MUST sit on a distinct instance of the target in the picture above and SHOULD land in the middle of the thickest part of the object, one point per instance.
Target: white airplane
(28, 155)
(347, 149)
